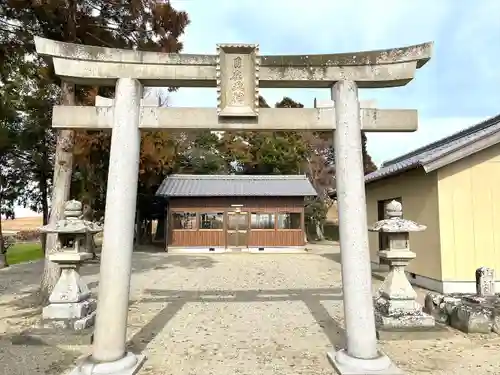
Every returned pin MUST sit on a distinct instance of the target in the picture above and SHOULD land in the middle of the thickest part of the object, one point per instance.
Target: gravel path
(228, 314)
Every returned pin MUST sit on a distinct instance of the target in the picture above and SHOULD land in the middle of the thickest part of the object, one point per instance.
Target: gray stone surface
(496, 323)
(485, 282)
(351, 199)
(237, 73)
(75, 324)
(73, 222)
(372, 119)
(471, 319)
(439, 306)
(70, 288)
(465, 312)
(102, 66)
(396, 305)
(121, 193)
(70, 305)
(72, 310)
(402, 321)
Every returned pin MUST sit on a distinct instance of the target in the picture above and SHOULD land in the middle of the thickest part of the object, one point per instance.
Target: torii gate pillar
(361, 355)
(119, 221)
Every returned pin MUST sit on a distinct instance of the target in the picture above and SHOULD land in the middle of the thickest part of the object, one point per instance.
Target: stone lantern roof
(73, 221)
(395, 223)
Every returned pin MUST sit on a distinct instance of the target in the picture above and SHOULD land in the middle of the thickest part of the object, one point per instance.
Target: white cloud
(464, 35)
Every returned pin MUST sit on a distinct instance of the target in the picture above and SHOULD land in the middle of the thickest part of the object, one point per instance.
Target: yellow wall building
(453, 187)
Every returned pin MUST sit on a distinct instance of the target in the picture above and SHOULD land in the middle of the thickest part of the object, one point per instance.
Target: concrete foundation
(347, 365)
(128, 365)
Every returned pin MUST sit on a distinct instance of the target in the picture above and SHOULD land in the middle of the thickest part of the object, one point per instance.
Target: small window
(212, 220)
(289, 220)
(184, 220)
(262, 221)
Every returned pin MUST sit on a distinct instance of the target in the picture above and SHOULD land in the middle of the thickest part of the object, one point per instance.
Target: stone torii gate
(237, 71)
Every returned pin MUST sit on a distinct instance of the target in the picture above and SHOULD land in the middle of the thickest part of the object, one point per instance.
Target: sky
(457, 88)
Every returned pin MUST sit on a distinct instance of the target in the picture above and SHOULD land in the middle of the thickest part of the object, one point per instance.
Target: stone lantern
(70, 303)
(395, 303)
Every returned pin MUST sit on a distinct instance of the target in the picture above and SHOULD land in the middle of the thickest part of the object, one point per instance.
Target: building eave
(455, 155)
(443, 152)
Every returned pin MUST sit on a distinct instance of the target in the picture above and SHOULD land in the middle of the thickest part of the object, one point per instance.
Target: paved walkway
(227, 314)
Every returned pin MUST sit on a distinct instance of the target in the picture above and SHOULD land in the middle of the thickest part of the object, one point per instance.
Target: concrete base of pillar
(128, 365)
(347, 365)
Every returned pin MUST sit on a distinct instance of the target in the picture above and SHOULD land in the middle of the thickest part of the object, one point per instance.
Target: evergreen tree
(143, 24)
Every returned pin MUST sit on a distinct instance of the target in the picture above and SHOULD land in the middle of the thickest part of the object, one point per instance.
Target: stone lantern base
(396, 307)
(70, 304)
(401, 315)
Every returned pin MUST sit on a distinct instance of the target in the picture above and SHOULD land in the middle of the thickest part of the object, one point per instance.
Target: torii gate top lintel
(100, 65)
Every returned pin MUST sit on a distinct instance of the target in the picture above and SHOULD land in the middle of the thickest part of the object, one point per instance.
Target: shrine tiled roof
(183, 185)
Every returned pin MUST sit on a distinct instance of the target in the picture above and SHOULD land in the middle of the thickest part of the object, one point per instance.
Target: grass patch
(24, 252)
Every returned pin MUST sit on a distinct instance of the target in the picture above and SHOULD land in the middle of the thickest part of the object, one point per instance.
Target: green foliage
(268, 152)
(30, 89)
(368, 164)
(315, 211)
(144, 24)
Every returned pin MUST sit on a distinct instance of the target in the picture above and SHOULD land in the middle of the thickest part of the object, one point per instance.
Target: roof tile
(435, 150)
(181, 185)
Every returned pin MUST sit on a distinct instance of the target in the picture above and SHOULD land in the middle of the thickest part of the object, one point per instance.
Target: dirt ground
(22, 223)
(228, 314)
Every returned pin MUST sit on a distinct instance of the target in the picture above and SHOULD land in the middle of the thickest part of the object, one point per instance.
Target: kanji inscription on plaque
(237, 80)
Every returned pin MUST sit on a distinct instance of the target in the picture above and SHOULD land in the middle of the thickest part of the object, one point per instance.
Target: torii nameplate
(237, 74)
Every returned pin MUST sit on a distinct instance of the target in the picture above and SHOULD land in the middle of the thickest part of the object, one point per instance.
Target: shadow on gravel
(41, 352)
(22, 280)
(177, 299)
(333, 256)
(25, 354)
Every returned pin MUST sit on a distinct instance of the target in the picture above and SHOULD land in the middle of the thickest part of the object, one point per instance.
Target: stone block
(85, 322)
(78, 324)
(485, 282)
(74, 310)
(396, 307)
(472, 319)
(432, 302)
(404, 321)
(449, 304)
(69, 288)
(440, 306)
(496, 324)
